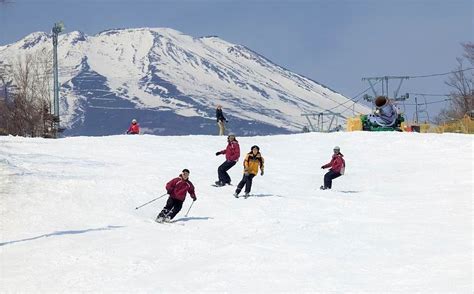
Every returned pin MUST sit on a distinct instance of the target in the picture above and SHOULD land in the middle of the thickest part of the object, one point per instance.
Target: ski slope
(398, 221)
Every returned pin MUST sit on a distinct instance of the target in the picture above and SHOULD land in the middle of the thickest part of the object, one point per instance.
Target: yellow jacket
(251, 163)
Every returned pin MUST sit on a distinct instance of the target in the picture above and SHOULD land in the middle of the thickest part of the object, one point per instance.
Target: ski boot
(246, 195)
(236, 195)
(160, 219)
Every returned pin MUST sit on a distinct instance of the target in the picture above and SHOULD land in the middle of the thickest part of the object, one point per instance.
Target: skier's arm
(246, 163)
(262, 165)
(328, 164)
(191, 191)
(170, 185)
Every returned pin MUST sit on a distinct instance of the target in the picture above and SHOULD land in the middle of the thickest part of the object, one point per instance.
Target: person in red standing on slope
(134, 128)
(336, 165)
(177, 189)
(232, 154)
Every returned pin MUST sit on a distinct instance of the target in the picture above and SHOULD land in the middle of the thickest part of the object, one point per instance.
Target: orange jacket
(253, 162)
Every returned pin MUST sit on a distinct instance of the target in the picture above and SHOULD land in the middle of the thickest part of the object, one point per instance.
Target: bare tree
(461, 82)
(28, 109)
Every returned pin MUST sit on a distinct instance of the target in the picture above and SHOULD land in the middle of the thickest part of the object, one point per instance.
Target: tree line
(25, 99)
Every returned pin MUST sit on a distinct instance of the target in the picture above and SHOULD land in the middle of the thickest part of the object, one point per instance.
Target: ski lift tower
(321, 118)
(384, 81)
(57, 28)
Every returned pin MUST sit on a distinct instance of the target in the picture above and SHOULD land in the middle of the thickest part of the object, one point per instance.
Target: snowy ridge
(398, 221)
(162, 76)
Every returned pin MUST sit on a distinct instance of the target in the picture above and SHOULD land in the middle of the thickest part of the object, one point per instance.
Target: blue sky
(333, 42)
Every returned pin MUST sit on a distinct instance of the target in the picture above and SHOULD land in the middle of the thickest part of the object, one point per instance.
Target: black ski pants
(224, 177)
(328, 177)
(247, 181)
(172, 207)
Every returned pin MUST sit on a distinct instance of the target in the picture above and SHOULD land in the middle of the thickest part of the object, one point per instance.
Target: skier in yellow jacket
(253, 161)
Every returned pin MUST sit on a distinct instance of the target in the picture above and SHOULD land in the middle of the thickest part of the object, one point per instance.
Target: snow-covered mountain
(172, 82)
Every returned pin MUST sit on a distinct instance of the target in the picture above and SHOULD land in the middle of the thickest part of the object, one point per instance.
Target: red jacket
(337, 163)
(134, 129)
(232, 151)
(178, 187)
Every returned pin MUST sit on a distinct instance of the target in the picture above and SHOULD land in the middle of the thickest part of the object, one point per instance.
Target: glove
(218, 153)
(194, 199)
(168, 192)
(261, 173)
(322, 167)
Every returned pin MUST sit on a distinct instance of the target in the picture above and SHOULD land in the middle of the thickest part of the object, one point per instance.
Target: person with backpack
(221, 120)
(134, 128)
(177, 189)
(253, 161)
(232, 154)
(336, 168)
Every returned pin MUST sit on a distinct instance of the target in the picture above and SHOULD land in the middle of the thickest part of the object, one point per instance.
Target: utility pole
(416, 109)
(57, 28)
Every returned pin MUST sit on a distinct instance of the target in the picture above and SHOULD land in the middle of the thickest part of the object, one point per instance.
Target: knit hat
(337, 148)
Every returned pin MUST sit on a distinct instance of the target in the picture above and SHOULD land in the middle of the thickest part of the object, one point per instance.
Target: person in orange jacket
(336, 165)
(253, 161)
(177, 189)
(134, 128)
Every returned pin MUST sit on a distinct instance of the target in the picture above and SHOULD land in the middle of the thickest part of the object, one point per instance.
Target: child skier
(232, 154)
(253, 160)
(337, 165)
(134, 128)
(177, 189)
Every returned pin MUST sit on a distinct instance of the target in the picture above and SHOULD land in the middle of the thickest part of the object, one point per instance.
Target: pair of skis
(245, 196)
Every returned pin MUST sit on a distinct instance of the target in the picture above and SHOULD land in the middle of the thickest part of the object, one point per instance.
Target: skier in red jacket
(337, 166)
(232, 154)
(134, 128)
(177, 189)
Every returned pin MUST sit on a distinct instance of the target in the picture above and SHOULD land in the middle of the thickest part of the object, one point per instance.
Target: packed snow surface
(399, 220)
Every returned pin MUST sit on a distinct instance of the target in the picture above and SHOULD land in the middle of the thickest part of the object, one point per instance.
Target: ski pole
(151, 201)
(186, 215)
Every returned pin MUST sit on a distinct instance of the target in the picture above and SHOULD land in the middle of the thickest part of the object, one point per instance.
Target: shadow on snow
(59, 233)
(185, 219)
(265, 195)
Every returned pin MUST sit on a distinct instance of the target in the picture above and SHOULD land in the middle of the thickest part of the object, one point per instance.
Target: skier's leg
(241, 184)
(167, 208)
(333, 176)
(327, 180)
(220, 124)
(221, 172)
(229, 165)
(177, 205)
(328, 177)
(248, 183)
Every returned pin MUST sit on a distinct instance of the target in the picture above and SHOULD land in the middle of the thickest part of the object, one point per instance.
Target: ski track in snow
(399, 220)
